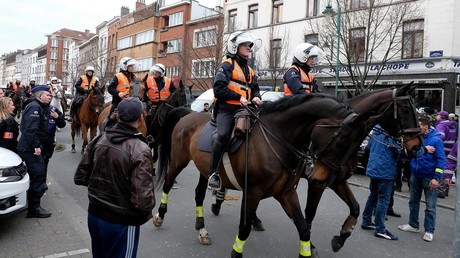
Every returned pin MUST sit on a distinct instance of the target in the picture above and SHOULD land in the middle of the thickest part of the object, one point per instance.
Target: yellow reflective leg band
(164, 198)
(199, 211)
(238, 245)
(304, 248)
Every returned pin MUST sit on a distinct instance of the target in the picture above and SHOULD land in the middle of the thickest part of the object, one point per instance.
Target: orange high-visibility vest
(238, 82)
(154, 94)
(123, 83)
(88, 85)
(305, 79)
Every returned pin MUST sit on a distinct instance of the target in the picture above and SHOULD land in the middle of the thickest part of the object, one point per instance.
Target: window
(253, 13)
(65, 56)
(124, 43)
(174, 46)
(275, 53)
(144, 37)
(52, 67)
(277, 15)
(144, 64)
(313, 8)
(232, 20)
(172, 71)
(204, 68)
(66, 43)
(53, 55)
(175, 19)
(412, 39)
(358, 4)
(54, 42)
(312, 39)
(205, 38)
(357, 44)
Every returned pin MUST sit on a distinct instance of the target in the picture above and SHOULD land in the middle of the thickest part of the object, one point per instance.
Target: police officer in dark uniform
(298, 79)
(33, 128)
(235, 85)
(55, 120)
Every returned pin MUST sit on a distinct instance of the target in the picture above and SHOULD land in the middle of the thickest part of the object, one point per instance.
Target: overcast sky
(24, 23)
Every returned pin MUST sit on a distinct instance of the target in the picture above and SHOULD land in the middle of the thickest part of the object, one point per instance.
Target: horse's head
(96, 99)
(400, 119)
(180, 97)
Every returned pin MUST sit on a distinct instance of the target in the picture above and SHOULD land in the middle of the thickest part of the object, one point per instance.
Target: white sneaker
(428, 237)
(408, 228)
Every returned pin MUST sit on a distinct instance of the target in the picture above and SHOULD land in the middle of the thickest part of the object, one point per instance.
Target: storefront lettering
(388, 67)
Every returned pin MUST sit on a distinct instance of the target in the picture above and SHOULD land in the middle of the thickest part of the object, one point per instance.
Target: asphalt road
(65, 234)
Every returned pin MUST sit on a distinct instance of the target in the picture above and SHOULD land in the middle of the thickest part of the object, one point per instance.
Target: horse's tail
(164, 139)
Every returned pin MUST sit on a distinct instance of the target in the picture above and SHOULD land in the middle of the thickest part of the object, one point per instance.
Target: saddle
(209, 131)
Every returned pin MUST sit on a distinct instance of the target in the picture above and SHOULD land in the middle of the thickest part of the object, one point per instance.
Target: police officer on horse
(298, 79)
(85, 83)
(158, 88)
(235, 85)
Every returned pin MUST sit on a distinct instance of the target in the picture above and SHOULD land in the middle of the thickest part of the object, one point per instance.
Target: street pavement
(65, 233)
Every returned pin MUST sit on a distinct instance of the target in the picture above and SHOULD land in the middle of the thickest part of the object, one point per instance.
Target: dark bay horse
(86, 117)
(285, 128)
(395, 112)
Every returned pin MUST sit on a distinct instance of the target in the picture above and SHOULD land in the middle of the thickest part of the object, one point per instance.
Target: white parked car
(208, 96)
(14, 182)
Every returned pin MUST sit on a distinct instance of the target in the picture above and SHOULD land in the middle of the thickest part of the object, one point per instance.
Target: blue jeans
(378, 200)
(417, 185)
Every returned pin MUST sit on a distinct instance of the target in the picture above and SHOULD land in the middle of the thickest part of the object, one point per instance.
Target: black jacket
(33, 126)
(9, 131)
(117, 169)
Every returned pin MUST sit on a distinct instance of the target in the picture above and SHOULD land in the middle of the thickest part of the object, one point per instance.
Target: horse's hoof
(215, 210)
(73, 151)
(314, 252)
(258, 226)
(204, 238)
(157, 221)
(236, 255)
(337, 243)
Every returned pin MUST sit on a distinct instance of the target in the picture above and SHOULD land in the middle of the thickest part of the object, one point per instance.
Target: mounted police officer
(120, 85)
(33, 128)
(159, 87)
(235, 85)
(298, 79)
(83, 86)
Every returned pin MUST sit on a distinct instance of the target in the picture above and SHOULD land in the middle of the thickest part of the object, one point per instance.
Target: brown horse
(86, 117)
(283, 127)
(17, 102)
(396, 114)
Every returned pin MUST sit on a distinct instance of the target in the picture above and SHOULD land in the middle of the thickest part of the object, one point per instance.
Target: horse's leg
(84, 135)
(200, 194)
(93, 132)
(315, 192)
(344, 192)
(72, 133)
(291, 205)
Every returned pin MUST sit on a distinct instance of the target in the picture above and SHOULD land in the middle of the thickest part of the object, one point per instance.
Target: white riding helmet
(125, 62)
(32, 80)
(54, 79)
(158, 68)
(238, 37)
(305, 50)
(89, 68)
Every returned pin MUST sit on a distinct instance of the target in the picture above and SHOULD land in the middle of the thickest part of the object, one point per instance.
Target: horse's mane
(366, 94)
(295, 100)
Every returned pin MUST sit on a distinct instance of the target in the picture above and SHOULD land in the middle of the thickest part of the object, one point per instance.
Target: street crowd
(117, 165)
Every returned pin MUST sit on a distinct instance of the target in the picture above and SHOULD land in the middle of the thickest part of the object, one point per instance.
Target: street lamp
(329, 13)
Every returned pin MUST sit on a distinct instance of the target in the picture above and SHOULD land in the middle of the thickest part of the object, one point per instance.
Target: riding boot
(214, 182)
(36, 211)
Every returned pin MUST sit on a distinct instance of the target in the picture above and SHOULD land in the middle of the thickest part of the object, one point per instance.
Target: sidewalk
(447, 203)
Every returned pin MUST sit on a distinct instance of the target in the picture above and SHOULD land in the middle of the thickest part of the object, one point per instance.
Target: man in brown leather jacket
(117, 169)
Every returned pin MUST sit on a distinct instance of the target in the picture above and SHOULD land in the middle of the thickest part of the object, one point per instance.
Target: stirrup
(213, 187)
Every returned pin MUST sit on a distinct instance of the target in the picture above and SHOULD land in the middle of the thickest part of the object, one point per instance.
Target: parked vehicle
(208, 96)
(14, 183)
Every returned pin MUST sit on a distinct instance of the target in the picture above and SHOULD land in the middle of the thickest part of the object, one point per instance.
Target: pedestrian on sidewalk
(381, 168)
(117, 169)
(427, 171)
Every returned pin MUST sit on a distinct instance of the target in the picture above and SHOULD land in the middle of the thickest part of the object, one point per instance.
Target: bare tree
(275, 55)
(370, 37)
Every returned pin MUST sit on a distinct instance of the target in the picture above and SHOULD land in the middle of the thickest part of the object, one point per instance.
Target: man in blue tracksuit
(381, 168)
(427, 171)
